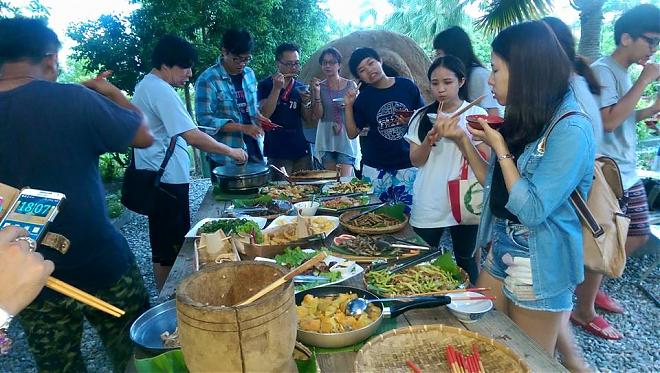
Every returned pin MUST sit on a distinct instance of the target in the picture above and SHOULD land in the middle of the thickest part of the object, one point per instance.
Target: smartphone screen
(32, 213)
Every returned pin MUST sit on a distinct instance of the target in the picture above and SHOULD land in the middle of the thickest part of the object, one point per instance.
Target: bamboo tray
(425, 346)
(343, 220)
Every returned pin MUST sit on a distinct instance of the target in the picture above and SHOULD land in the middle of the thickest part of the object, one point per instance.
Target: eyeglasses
(329, 63)
(240, 59)
(653, 42)
(290, 64)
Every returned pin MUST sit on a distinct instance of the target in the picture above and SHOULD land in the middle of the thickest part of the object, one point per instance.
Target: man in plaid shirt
(226, 99)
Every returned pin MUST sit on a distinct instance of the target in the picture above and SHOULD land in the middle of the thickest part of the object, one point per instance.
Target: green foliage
(501, 14)
(33, 9)
(111, 166)
(75, 71)
(125, 44)
(113, 203)
(423, 19)
(108, 43)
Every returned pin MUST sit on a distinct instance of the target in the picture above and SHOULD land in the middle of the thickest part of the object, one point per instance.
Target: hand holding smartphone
(33, 210)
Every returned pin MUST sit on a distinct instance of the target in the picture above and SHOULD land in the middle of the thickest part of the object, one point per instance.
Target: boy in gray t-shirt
(636, 34)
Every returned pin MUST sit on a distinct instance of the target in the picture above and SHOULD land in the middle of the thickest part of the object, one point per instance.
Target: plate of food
(263, 206)
(387, 219)
(341, 203)
(291, 192)
(438, 275)
(366, 249)
(317, 224)
(350, 187)
(248, 224)
(309, 175)
(331, 271)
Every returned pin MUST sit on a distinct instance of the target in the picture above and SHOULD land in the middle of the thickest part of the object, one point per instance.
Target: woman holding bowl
(535, 259)
(333, 147)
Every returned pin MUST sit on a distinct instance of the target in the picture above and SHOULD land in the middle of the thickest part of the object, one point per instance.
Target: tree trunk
(197, 159)
(591, 21)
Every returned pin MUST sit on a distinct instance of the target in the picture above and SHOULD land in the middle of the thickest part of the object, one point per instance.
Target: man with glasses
(226, 99)
(287, 102)
(636, 35)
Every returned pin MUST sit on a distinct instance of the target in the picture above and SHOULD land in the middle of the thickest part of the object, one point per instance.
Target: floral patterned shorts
(392, 185)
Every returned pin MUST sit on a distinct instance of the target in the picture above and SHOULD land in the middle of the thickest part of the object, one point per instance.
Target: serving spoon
(357, 306)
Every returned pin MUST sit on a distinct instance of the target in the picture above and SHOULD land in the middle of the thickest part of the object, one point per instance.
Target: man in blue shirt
(226, 99)
(287, 103)
(52, 137)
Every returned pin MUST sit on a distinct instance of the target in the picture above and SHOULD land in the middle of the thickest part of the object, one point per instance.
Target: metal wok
(335, 340)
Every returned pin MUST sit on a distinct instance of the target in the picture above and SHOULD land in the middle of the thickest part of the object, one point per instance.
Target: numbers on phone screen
(33, 208)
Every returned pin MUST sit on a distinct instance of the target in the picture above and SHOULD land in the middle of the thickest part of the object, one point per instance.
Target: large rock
(399, 52)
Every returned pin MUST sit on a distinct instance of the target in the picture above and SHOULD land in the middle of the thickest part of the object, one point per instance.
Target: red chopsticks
(267, 124)
(474, 298)
(459, 363)
(413, 366)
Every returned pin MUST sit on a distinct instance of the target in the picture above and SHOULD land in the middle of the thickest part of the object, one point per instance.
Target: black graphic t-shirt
(384, 146)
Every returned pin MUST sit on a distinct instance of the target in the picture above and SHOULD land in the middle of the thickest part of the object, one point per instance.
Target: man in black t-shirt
(52, 137)
(287, 102)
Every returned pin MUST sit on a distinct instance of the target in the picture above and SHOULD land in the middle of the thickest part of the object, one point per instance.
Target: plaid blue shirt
(215, 104)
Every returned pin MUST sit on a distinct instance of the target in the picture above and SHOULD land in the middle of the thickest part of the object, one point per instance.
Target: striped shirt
(216, 105)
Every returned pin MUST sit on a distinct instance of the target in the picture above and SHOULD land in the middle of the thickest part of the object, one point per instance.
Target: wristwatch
(5, 342)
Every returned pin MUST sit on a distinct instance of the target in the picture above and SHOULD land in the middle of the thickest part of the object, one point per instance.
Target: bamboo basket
(425, 346)
(343, 220)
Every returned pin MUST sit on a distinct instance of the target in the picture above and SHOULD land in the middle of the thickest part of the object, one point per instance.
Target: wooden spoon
(294, 272)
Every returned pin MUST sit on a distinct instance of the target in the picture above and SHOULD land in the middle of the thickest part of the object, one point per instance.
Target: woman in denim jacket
(535, 260)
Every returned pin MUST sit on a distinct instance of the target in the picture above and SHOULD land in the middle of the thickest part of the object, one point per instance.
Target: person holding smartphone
(52, 137)
(23, 273)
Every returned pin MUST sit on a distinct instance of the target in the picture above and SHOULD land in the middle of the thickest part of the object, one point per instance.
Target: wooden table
(494, 324)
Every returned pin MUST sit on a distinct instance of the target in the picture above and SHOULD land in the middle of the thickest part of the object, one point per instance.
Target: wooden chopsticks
(294, 272)
(471, 104)
(83, 297)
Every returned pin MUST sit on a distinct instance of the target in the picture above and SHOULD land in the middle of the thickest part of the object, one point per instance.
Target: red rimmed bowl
(493, 121)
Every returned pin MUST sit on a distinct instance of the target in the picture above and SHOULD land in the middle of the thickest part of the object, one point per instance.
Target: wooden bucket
(216, 336)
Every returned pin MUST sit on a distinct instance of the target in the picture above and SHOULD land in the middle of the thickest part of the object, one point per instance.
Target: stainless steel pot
(336, 340)
(250, 175)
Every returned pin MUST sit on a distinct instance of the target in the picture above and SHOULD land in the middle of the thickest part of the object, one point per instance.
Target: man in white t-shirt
(636, 34)
(172, 61)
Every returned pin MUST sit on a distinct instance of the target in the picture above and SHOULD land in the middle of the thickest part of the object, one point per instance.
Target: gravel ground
(637, 352)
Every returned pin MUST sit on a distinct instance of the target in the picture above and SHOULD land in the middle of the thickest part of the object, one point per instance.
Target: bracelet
(505, 156)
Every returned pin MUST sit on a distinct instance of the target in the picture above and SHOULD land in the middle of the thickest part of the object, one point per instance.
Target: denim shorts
(337, 157)
(513, 239)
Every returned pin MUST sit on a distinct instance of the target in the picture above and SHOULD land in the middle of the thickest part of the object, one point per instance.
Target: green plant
(112, 166)
(113, 203)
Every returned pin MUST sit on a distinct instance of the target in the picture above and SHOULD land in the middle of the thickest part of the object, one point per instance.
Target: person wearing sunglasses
(287, 102)
(636, 34)
(226, 99)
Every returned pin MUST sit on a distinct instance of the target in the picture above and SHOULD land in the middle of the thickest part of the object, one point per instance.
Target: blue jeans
(511, 238)
(338, 158)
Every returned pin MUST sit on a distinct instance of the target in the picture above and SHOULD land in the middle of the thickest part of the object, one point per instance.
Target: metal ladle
(357, 306)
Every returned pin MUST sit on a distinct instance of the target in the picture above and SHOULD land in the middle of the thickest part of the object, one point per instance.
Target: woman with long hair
(456, 42)
(333, 147)
(535, 259)
(439, 160)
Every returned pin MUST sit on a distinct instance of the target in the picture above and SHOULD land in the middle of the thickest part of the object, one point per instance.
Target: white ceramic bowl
(469, 310)
(307, 208)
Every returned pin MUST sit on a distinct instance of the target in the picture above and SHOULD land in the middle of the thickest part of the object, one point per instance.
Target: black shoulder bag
(140, 187)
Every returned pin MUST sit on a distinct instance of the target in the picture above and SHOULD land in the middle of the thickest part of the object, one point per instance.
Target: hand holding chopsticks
(83, 297)
(294, 272)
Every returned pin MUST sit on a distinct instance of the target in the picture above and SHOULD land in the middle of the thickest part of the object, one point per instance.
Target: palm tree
(591, 21)
(501, 14)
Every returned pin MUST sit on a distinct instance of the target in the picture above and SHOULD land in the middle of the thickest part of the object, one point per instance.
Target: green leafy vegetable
(446, 262)
(231, 226)
(293, 257)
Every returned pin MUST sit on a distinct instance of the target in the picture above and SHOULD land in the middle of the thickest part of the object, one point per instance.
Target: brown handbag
(604, 225)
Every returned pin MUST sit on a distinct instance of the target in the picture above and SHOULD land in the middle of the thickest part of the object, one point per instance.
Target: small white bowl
(469, 311)
(307, 208)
